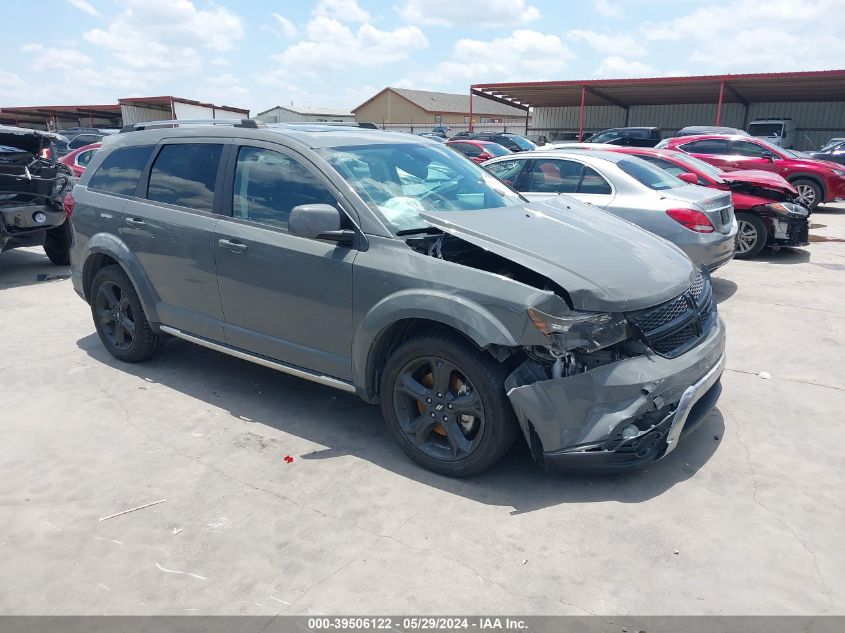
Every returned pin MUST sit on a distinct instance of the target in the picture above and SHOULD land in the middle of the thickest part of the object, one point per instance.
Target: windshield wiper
(423, 230)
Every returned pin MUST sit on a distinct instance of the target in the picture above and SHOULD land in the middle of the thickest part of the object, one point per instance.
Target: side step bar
(260, 360)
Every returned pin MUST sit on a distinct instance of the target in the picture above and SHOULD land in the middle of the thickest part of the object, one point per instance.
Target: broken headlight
(587, 331)
(787, 210)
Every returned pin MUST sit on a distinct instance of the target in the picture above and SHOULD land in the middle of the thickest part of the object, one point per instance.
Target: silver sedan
(697, 219)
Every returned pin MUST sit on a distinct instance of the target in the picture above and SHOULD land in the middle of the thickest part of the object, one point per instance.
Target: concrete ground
(745, 517)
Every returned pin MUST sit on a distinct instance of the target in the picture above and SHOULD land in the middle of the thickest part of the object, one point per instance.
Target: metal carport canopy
(823, 85)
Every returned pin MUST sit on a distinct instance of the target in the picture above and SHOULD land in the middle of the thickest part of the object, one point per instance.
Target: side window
(268, 185)
(504, 141)
(468, 149)
(507, 170)
(82, 140)
(550, 175)
(666, 165)
(593, 182)
(121, 170)
(184, 174)
(83, 158)
(707, 146)
(744, 148)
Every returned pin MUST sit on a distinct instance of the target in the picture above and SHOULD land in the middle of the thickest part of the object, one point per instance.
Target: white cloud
(736, 36)
(43, 58)
(341, 10)
(288, 27)
(616, 67)
(225, 89)
(476, 13)
(10, 84)
(612, 44)
(164, 35)
(608, 9)
(331, 44)
(85, 7)
(523, 55)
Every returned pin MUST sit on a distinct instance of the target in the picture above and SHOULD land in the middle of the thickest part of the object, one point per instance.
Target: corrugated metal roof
(166, 99)
(448, 102)
(823, 85)
(311, 110)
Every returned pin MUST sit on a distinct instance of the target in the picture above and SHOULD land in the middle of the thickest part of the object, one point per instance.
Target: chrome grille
(676, 326)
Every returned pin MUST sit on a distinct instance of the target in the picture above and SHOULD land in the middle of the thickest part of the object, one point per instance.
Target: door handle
(136, 223)
(235, 247)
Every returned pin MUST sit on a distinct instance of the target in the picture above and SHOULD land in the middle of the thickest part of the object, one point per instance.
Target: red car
(816, 180)
(79, 158)
(478, 151)
(764, 203)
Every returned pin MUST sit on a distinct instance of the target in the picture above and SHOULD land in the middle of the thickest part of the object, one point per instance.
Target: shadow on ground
(724, 289)
(19, 267)
(348, 426)
(784, 256)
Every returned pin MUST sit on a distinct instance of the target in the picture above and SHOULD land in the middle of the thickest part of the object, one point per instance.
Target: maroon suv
(816, 180)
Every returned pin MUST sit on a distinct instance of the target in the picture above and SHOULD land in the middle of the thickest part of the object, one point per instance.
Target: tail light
(692, 219)
(68, 204)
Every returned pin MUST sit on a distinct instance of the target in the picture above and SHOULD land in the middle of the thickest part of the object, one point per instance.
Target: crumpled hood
(759, 177)
(605, 264)
(32, 141)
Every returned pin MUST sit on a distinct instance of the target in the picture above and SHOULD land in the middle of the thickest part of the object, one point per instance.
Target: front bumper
(19, 228)
(790, 232)
(576, 422)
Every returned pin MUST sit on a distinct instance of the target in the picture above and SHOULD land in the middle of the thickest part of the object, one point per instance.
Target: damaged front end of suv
(33, 187)
(618, 360)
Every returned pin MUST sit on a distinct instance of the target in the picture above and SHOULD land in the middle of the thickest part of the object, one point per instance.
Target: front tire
(119, 317)
(809, 193)
(444, 403)
(751, 237)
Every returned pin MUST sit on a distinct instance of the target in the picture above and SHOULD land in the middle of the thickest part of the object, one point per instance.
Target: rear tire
(809, 193)
(444, 403)
(119, 317)
(751, 237)
(57, 244)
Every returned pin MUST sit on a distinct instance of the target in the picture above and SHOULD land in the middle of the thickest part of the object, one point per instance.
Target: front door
(169, 227)
(548, 177)
(285, 297)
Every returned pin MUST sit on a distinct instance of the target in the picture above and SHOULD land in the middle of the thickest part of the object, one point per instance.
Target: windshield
(832, 143)
(400, 181)
(700, 165)
(765, 129)
(649, 175)
(524, 144)
(494, 149)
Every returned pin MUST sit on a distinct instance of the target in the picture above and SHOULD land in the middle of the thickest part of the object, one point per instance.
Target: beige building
(409, 107)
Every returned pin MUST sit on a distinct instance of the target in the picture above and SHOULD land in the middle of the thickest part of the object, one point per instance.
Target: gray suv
(387, 265)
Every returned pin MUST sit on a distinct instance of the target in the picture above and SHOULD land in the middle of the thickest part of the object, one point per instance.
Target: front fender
(114, 247)
(459, 313)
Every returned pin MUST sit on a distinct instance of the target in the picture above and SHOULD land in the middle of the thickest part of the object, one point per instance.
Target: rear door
(169, 226)
(285, 297)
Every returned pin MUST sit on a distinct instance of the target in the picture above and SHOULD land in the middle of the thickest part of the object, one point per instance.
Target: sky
(257, 54)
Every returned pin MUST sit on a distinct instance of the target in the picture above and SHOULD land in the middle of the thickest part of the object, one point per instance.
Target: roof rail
(145, 125)
(294, 124)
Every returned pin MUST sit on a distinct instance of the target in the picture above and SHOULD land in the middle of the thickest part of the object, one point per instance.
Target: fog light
(629, 431)
(40, 217)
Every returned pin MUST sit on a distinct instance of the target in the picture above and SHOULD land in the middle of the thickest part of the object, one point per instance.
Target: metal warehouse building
(290, 114)
(814, 100)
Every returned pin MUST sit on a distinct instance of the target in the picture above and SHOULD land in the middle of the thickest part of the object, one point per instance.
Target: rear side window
(121, 170)
(184, 173)
(708, 146)
(593, 182)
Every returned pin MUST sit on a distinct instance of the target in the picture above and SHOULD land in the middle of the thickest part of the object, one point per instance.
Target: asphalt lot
(745, 517)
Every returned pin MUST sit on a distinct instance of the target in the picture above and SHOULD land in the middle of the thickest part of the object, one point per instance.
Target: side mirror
(485, 156)
(319, 222)
(769, 157)
(689, 178)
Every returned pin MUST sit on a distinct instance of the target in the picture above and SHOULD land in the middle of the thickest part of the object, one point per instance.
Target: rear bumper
(713, 250)
(578, 421)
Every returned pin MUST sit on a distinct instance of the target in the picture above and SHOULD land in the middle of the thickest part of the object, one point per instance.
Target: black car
(628, 136)
(833, 151)
(513, 142)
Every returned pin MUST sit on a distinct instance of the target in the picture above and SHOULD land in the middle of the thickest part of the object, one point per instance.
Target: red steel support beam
(581, 115)
(470, 108)
(719, 107)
